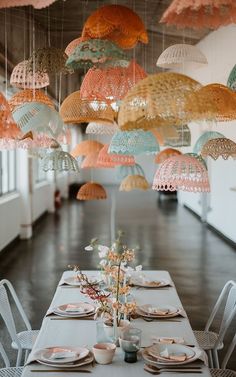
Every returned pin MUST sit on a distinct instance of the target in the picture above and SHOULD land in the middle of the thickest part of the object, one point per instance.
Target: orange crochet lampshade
(221, 147)
(8, 128)
(108, 160)
(197, 14)
(117, 23)
(29, 95)
(134, 182)
(158, 100)
(112, 83)
(216, 99)
(91, 191)
(166, 153)
(75, 110)
(90, 161)
(22, 77)
(86, 147)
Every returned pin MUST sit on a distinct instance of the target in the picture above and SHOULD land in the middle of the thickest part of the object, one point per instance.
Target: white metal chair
(207, 339)
(24, 340)
(8, 371)
(223, 372)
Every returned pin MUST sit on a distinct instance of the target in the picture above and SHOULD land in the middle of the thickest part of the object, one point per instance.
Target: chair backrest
(6, 312)
(229, 293)
(4, 356)
(222, 333)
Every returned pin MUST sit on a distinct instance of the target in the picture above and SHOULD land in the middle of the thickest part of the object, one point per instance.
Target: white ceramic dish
(147, 283)
(144, 311)
(72, 280)
(77, 353)
(153, 354)
(168, 340)
(81, 309)
(104, 352)
(87, 360)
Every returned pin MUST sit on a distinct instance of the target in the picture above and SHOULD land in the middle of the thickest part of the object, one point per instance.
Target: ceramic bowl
(104, 352)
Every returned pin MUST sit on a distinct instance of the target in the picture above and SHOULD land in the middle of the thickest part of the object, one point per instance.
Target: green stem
(118, 291)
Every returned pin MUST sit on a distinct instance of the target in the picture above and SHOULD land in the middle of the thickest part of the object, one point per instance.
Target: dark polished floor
(170, 238)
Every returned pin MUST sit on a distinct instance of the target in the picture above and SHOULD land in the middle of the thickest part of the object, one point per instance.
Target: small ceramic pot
(104, 352)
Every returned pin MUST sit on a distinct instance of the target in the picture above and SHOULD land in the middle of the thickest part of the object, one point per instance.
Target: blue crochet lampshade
(204, 138)
(124, 171)
(134, 143)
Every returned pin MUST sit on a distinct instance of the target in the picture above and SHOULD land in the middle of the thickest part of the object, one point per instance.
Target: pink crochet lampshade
(8, 128)
(38, 4)
(90, 161)
(184, 173)
(197, 14)
(111, 84)
(107, 160)
(23, 78)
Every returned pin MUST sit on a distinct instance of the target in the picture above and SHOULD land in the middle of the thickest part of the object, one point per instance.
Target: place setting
(75, 282)
(142, 281)
(150, 312)
(60, 359)
(79, 310)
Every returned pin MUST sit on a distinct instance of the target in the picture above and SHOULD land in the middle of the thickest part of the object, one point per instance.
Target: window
(40, 174)
(8, 171)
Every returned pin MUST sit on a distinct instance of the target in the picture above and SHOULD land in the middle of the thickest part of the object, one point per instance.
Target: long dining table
(82, 332)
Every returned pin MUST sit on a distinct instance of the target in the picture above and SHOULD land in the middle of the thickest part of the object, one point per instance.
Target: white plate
(45, 355)
(152, 354)
(143, 311)
(73, 280)
(85, 361)
(86, 310)
(149, 283)
(168, 340)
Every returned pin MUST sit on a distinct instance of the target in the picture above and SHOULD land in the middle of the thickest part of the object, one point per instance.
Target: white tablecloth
(83, 332)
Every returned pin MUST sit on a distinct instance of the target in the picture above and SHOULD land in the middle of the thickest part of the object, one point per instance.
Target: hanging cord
(6, 53)
(49, 31)
(33, 43)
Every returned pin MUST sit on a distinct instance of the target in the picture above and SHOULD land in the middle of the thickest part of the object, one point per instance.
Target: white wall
(9, 218)
(219, 48)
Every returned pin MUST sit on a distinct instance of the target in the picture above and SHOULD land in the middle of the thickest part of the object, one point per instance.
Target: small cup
(104, 352)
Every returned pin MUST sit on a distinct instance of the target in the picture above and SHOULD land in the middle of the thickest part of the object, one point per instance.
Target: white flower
(88, 248)
(103, 251)
(139, 268)
(103, 262)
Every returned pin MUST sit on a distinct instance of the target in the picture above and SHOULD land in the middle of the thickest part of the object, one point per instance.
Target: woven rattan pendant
(86, 147)
(221, 147)
(134, 182)
(118, 23)
(204, 138)
(181, 56)
(8, 128)
(75, 110)
(166, 153)
(91, 191)
(49, 60)
(94, 52)
(22, 77)
(197, 14)
(29, 95)
(159, 99)
(134, 143)
(110, 84)
(184, 173)
(102, 128)
(108, 160)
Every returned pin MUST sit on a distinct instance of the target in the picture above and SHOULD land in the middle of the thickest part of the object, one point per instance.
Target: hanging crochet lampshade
(203, 139)
(209, 14)
(181, 55)
(60, 161)
(107, 160)
(86, 147)
(134, 182)
(29, 95)
(22, 77)
(184, 173)
(157, 100)
(110, 84)
(134, 143)
(75, 110)
(183, 138)
(221, 147)
(94, 52)
(37, 117)
(8, 128)
(118, 23)
(38, 4)
(222, 98)
(91, 191)
(124, 171)
(90, 161)
(73, 44)
(166, 153)
(48, 59)
(102, 128)
(231, 82)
